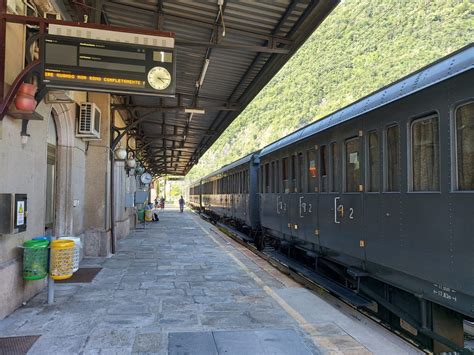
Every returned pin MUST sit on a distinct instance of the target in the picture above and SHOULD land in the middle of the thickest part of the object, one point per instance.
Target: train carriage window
(284, 167)
(277, 177)
(244, 178)
(392, 159)
(267, 178)
(247, 181)
(260, 178)
(335, 167)
(465, 147)
(273, 177)
(312, 171)
(425, 154)
(373, 165)
(300, 176)
(293, 187)
(352, 165)
(323, 170)
(323, 160)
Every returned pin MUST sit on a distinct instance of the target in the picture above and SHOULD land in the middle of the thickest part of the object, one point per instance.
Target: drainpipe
(112, 187)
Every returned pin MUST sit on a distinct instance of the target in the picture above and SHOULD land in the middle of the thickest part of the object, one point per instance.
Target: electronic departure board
(95, 65)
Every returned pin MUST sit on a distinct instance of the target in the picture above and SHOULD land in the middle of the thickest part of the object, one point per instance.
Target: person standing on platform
(162, 203)
(155, 213)
(181, 204)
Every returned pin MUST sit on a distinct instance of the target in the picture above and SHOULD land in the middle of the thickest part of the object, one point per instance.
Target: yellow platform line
(320, 341)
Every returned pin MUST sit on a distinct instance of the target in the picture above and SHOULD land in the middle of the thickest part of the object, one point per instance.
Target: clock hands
(159, 78)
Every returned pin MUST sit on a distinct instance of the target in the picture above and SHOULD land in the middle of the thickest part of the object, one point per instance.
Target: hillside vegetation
(362, 46)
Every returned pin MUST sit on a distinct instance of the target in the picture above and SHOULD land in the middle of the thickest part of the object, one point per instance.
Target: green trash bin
(35, 259)
(141, 215)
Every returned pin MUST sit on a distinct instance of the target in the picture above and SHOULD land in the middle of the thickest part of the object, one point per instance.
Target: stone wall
(83, 189)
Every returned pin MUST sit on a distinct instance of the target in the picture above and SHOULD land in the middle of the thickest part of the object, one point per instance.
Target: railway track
(314, 282)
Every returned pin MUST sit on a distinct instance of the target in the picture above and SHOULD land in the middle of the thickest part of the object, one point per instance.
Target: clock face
(146, 178)
(159, 78)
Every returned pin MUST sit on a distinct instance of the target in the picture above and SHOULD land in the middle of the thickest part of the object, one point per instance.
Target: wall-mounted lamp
(131, 162)
(203, 73)
(139, 169)
(200, 111)
(120, 153)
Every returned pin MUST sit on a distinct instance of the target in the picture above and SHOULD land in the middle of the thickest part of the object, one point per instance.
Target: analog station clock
(146, 178)
(159, 78)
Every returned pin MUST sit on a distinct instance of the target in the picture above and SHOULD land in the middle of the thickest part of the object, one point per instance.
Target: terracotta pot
(27, 89)
(25, 102)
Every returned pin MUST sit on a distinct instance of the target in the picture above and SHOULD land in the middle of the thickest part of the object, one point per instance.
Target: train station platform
(180, 286)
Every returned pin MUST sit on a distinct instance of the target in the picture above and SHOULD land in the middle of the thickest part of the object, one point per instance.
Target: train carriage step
(235, 233)
(333, 287)
(355, 273)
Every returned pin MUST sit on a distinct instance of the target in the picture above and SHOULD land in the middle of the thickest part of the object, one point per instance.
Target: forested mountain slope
(362, 46)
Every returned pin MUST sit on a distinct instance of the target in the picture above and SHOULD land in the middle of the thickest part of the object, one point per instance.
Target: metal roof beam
(160, 108)
(242, 47)
(203, 23)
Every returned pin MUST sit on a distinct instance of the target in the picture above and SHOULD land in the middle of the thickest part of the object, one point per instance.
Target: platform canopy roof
(244, 42)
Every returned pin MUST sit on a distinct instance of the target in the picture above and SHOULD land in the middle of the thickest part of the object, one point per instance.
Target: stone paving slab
(182, 276)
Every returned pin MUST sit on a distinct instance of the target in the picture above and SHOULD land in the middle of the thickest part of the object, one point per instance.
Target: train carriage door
(348, 213)
(309, 201)
(328, 226)
(373, 198)
(462, 194)
(297, 216)
(292, 205)
(283, 200)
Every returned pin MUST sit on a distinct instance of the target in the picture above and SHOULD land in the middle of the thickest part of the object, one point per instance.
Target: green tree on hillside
(362, 46)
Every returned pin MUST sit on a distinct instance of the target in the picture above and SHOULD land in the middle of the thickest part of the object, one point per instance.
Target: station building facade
(67, 180)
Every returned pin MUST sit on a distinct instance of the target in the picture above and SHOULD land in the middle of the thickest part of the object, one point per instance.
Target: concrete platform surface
(182, 287)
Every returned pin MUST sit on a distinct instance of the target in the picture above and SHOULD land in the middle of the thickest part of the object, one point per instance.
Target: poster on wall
(20, 213)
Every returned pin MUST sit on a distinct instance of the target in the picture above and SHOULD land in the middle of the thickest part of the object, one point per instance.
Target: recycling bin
(35, 259)
(77, 251)
(61, 263)
(141, 215)
(148, 215)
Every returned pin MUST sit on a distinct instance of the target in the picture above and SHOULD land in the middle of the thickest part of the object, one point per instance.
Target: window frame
(325, 148)
(357, 138)
(333, 181)
(367, 174)
(293, 170)
(314, 150)
(267, 180)
(300, 172)
(410, 171)
(454, 147)
(283, 159)
(384, 187)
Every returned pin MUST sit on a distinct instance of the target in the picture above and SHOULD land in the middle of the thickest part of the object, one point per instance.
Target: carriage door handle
(338, 209)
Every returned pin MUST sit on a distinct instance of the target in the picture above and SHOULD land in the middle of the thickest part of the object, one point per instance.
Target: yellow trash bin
(61, 262)
(148, 215)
